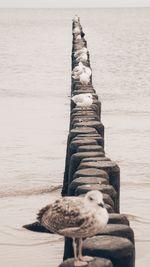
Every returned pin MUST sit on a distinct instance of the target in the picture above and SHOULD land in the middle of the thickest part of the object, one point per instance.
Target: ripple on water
(15, 240)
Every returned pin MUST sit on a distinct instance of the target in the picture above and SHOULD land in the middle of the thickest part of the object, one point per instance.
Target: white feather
(83, 100)
(80, 51)
(76, 30)
(84, 78)
(83, 58)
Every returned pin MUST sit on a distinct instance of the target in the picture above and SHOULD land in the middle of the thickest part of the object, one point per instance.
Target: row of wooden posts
(87, 168)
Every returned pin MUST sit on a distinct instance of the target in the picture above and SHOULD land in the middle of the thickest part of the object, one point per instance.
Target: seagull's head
(94, 199)
(76, 18)
(90, 96)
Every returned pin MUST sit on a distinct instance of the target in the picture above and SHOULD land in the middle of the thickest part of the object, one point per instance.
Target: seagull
(77, 71)
(84, 78)
(76, 19)
(82, 57)
(83, 100)
(78, 218)
(80, 51)
(78, 37)
(78, 45)
(76, 30)
(82, 73)
(87, 70)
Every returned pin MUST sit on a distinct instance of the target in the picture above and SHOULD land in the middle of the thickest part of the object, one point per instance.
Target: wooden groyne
(88, 168)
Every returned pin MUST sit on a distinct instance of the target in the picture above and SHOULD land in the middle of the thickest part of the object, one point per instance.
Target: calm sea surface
(35, 59)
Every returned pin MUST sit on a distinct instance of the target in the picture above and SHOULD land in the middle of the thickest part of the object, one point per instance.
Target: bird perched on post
(77, 36)
(77, 71)
(76, 30)
(76, 19)
(80, 51)
(82, 73)
(84, 77)
(78, 218)
(83, 100)
(82, 58)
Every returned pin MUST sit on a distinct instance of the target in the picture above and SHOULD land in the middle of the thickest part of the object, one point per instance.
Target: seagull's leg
(81, 257)
(77, 262)
(75, 248)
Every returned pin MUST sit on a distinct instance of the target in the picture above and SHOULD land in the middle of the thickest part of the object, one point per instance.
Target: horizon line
(41, 7)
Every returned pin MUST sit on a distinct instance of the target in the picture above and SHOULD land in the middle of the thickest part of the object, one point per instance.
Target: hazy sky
(74, 3)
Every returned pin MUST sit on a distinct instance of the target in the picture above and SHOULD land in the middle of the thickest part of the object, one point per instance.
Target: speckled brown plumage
(76, 217)
(66, 213)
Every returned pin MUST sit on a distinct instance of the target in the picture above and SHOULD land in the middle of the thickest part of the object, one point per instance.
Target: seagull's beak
(101, 205)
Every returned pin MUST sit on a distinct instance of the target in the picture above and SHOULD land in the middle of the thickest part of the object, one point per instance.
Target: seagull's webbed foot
(79, 263)
(86, 258)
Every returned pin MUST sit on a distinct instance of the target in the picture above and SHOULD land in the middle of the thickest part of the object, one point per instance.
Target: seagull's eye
(90, 198)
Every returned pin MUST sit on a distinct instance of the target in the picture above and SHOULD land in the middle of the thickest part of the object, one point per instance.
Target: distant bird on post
(76, 30)
(84, 78)
(76, 19)
(80, 51)
(78, 36)
(83, 100)
(82, 58)
(78, 218)
(77, 71)
(82, 73)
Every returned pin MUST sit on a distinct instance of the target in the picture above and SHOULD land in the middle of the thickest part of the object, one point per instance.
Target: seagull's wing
(78, 98)
(88, 71)
(64, 213)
